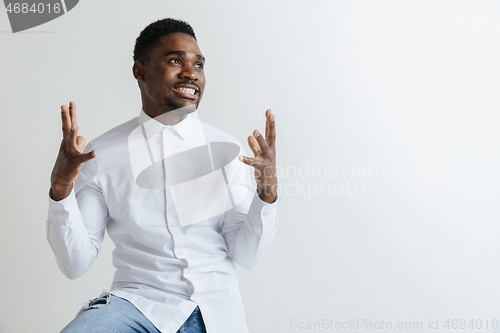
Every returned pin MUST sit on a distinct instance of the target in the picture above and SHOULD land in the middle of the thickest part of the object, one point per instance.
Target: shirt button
(196, 299)
(181, 252)
(64, 212)
(170, 188)
(172, 224)
(167, 153)
(265, 213)
(188, 272)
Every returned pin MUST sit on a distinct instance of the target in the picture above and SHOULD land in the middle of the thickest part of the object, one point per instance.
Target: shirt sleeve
(249, 227)
(76, 224)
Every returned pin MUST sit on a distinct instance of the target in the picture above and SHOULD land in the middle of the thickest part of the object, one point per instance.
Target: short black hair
(152, 34)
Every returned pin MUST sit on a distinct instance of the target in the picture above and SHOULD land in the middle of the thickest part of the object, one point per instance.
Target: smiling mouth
(185, 92)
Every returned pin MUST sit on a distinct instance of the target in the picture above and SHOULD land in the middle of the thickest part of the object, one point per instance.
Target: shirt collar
(152, 126)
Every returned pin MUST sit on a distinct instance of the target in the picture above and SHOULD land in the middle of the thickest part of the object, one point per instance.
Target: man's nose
(188, 72)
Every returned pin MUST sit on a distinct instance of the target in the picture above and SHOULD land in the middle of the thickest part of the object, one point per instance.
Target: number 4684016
(34, 8)
(473, 324)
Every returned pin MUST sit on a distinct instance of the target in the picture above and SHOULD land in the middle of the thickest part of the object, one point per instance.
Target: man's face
(174, 76)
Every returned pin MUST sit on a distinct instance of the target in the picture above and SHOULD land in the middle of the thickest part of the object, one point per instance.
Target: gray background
(409, 88)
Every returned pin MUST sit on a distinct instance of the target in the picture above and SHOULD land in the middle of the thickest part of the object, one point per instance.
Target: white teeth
(187, 90)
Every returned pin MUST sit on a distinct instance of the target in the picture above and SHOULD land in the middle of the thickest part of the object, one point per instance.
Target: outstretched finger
(72, 112)
(264, 147)
(73, 134)
(270, 129)
(254, 145)
(66, 121)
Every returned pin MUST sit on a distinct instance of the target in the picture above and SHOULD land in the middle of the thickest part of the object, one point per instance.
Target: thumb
(246, 160)
(87, 157)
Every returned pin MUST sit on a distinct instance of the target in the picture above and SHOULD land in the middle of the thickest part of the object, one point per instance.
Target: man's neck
(170, 117)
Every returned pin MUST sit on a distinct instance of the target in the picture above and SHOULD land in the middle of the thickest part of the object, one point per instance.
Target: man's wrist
(266, 196)
(60, 191)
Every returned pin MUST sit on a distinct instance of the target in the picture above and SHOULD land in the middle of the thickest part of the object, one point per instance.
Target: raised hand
(70, 159)
(264, 160)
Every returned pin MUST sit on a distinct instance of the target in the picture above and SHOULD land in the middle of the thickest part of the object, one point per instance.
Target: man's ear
(138, 71)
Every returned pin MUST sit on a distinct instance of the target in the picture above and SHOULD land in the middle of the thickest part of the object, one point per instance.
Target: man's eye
(175, 61)
(200, 66)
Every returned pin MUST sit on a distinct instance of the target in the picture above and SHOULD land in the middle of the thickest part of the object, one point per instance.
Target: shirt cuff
(266, 211)
(62, 209)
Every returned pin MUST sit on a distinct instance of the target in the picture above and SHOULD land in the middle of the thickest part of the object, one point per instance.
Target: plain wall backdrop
(388, 144)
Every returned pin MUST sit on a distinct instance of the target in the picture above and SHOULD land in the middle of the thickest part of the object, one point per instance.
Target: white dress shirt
(163, 266)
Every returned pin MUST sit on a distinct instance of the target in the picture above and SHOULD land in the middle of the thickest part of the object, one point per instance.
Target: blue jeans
(111, 314)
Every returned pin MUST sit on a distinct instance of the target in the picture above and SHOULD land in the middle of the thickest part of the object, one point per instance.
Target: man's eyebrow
(179, 53)
(183, 53)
